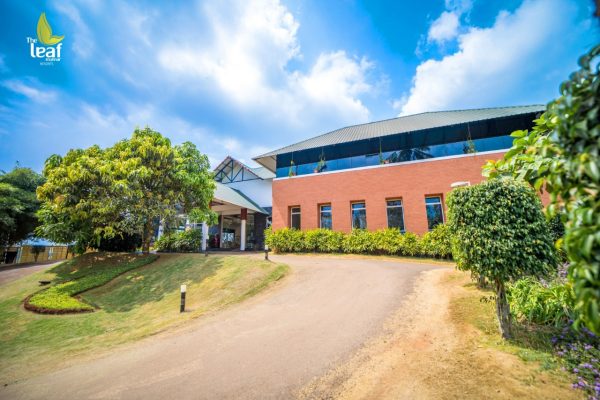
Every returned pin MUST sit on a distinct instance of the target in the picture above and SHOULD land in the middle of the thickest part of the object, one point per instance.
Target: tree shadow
(152, 282)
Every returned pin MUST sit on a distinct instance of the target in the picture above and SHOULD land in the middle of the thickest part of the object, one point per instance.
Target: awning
(226, 194)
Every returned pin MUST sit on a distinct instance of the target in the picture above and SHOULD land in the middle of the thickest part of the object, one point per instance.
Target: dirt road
(268, 347)
(11, 273)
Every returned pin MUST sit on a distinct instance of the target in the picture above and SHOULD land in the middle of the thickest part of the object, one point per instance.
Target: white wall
(259, 190)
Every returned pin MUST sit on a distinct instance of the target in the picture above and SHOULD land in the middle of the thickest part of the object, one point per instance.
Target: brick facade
(411, 182)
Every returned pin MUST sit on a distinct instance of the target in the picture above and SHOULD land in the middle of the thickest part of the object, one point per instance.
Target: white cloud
(491, 62)
(246, 54)
(29, 91)
(444, 28)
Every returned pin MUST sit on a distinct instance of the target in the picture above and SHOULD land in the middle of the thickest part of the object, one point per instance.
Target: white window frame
(364, 203)
(387, 206)
(439, 197)
(321, 214)
(292, 213)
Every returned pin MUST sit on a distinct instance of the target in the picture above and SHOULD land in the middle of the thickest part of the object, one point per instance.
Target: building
(393, 173)
(242, 201)
(34, 250)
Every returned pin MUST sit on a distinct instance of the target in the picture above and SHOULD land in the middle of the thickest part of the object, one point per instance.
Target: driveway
(267, 347)
(11, 273)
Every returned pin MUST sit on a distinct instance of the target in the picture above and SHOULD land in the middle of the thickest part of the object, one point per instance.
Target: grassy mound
(81, 274)
(136, 304)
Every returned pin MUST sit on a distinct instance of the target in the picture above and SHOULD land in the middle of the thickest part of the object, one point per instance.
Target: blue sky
(243, 77)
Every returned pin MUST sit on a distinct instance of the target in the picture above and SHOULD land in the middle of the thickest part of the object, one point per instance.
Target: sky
(241, 77)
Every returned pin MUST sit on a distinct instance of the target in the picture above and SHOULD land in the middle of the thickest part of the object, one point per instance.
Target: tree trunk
(503, 310)
(481, 284)
(147, 236)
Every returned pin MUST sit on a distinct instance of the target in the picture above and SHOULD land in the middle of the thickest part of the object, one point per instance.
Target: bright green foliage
(437, 243)
(59, 298)
(384, 241)
(563, 153)
(127, 188)
(180, 242)
(499, 231)
(358, 241)
(285, 240)
(411, 245)
(18, 204)
(323, 241)
(530, 300)
(387, 241)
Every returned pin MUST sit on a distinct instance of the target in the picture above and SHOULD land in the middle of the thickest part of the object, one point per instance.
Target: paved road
(266, 347)
(12, 273)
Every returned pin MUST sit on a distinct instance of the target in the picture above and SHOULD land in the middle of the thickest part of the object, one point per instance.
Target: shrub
(410, 245)
(437, 243)
(285, 240)
(59, 299)
(537, 303)
(358, 241)
(182, 242)
(120, 242)
(500, 233)
(387, 241)
(323, 241)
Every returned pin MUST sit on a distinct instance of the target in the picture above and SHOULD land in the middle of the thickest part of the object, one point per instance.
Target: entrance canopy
(227, 199)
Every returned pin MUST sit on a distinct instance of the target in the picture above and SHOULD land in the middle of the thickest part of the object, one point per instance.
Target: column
(244, 216)
(204, 236)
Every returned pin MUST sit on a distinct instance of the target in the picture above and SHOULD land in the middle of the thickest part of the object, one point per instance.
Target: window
(435, 211)
(295, 217)
(325, 216)
(359, 216)
(395, 214)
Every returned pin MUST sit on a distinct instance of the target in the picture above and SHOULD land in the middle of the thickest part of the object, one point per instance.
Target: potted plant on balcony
(292, 170)
(321, 165)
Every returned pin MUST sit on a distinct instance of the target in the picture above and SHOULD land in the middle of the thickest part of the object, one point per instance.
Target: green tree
(18, 204)
(499, 232)
(125, 189)
(562, 155)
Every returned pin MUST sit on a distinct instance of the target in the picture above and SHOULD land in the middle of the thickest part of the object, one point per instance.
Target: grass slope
(79, 275)
(136, 304)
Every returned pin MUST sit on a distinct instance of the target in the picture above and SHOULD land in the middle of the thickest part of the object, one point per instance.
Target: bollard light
(183, 290)
(266, 252)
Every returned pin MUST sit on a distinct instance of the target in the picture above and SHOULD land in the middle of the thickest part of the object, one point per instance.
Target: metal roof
(262, 173)
(393, 126)
(236, 197)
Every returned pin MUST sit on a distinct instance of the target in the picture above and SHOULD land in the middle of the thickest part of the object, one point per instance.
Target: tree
(499, 232)
(18, 204)
(102, 193)
(562, 155)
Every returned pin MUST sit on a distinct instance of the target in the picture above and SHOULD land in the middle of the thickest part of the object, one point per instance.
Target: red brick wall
(411, 182)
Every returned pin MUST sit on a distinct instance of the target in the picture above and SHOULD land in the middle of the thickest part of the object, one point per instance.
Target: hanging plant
(292, 170)
(321, 165)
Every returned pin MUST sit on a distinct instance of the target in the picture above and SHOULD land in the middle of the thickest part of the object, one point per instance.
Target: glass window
(435, 211)
(359, 216)
(295, 217)
(395, 214)
(325, 216)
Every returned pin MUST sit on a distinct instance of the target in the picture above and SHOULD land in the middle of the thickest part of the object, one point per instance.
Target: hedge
(179, 242)
(59, 299)
(436, 244)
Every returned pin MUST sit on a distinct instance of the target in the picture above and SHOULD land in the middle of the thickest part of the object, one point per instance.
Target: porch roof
(236, 197)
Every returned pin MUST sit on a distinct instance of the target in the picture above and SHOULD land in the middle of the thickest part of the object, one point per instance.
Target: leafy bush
(59, 299)
(285, 240)
(580, 351)
(411, 245)
(537, 303)
(437, 243)
(359, 241)
(500, 233)
(120, 242)
(387, 241)
(323, 241)
(181, 242)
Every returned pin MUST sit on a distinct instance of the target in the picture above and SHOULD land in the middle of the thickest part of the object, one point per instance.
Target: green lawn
(136, 304)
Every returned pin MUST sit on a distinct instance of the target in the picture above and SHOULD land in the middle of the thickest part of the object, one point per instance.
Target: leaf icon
(44, 32)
